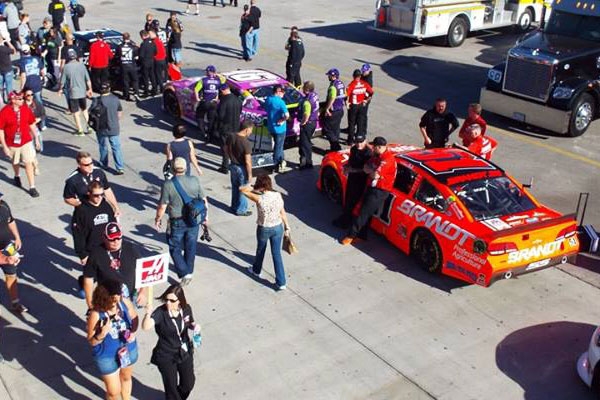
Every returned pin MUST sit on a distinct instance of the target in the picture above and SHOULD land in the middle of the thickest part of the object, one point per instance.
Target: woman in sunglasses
(173, 354)
(111, 328)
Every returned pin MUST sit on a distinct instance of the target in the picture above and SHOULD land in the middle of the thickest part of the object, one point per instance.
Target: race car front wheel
(331, 185)
(426, 251)
(170, 103)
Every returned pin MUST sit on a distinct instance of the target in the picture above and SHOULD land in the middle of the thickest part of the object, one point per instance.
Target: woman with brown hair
(111, 328)
(271, 224)
(173, 354)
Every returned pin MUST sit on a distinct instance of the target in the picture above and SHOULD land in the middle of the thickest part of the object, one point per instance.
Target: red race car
(463, 216)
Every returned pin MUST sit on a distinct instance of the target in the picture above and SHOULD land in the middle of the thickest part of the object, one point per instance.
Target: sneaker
(18, 308)
(17, 181)
(347, 240)
(282, 287)
(33, 192)
(120, 172)
(186, 280)
(79, 133)
(251, 271)
(223, 170)
(245, 214)
(43, 128)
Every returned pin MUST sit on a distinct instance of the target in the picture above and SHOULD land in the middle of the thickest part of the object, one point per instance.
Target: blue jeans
(6, 84)
(182, 241)
(38, 97)
(115, 145)
(176, 55)
(279, 141)
(239, 203)
(252, 42)
(245, 52)
(274, 235)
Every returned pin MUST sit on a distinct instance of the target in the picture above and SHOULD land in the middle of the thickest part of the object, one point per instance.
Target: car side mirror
(530, 184)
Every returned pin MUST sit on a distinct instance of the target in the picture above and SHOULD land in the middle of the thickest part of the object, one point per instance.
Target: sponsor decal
(453, 208)
(572, 242)
(532, 220)
(471, 276)
(542, 250)
(101, 219)
(258, 119)
(496, 224)
(481, 280)
(443, 227)
(466, 257)
(538, 264)
(516, 218)
(401, 231)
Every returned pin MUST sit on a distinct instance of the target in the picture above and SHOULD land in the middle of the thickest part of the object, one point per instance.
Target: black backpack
(80, 10)
(98, 116)
(194, 210)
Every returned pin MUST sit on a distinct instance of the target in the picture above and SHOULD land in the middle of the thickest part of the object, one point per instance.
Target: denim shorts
(107, 364)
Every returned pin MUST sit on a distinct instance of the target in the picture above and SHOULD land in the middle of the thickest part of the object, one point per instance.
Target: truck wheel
(426, 251)
(332, 187)
(457, 33)
(170, 103)
(582, 115)
(524, 22)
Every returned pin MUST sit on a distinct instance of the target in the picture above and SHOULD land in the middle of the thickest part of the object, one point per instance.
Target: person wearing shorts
(19, 133)
(10, 244)
(75, 79)
(190, 3)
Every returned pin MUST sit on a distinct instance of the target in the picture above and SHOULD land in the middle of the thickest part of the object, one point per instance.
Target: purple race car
(253, 87)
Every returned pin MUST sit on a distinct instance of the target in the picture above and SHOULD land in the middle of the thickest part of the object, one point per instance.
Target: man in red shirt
(474, 140)
(160, 61)
(17, 124)
(359, 95)
(100, 56)
(473, 117)
(381, 169)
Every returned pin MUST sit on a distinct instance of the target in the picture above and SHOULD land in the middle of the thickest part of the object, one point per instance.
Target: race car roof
(444, 164)
(90, 35)
(253, 76)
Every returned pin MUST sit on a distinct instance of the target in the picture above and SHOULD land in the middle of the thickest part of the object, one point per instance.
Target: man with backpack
(105, 113)
(77, 11)
(75, 79)
(183, 198)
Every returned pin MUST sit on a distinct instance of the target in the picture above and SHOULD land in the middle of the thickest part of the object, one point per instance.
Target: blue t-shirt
(32, 66)
(276, 110)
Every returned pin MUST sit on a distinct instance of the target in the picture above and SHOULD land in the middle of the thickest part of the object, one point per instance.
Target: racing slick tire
(524, 21)
(426, 250)
(457, 33)
(170, 104)
(582, 115)
(331, 185)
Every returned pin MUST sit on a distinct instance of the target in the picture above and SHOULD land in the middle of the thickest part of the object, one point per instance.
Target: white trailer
(453, 19)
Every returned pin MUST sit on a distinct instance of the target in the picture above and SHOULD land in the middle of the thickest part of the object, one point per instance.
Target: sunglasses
(18, 98)
(86, 165)
(28, 94)
(172, 300)
(113, 240)
(97, 194)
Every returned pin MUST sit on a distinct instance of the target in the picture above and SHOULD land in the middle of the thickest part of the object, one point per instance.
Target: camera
(205, 234)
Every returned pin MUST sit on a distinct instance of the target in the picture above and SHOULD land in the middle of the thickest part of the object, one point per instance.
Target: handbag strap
(184, 196)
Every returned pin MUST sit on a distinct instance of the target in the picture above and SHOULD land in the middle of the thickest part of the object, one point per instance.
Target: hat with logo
(365, 68)
(113, 231)
(379, 141)
(71, 54)
(25, 48)
(333, 72)
(211, 68)
(180, 164)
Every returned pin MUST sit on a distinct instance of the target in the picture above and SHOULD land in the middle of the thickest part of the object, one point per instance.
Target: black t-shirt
(228, 113)
(175, 40)
(245, 24)
(171, 333)
(5, 61)
(76, 185)
(238, 148)
(88, 226)
(98, 265)
(438, 126)
(255, 13)
(65, 49)
(358, 158)
(5, 218)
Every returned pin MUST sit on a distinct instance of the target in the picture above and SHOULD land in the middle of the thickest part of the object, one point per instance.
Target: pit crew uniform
(128, 53)
(309, 106)
(100, 56)
(484, 146)
(468, 122)
(208, 92)
(359, 94)
(331, 123)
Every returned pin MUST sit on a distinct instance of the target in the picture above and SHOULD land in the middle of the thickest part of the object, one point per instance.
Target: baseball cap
(113, 231)
(14, 94)
(333, 71)
(71, 54)
(211, 68)
(359, 138)
(379, 141)
(223, 86)
(25, 48)
(47, 19)
(365, 67)
(356, 73)
(180, 164)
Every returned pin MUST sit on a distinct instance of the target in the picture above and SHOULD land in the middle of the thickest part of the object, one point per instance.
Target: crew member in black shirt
(113, 260)
(360, 153)
(6, 50)
(146, 55)
(90, 220)
(437, 125)
(228, 119)
(57, 9)
(128, 52)
(295, 48)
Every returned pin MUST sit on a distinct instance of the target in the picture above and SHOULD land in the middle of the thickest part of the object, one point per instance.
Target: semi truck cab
(551, 77)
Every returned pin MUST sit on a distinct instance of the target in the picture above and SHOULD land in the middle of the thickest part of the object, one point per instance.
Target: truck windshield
(579, 26)
(492, 198)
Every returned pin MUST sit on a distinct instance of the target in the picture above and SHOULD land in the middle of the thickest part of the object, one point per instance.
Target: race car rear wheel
(331, 185)
(170, 103)
(426, 250)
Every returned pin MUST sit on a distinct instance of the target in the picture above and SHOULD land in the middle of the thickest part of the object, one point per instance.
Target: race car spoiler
(533, 226)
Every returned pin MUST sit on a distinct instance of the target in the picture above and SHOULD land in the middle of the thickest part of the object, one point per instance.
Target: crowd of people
(50, 58)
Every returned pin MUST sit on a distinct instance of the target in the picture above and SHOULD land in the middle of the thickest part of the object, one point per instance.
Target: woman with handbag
(111, 328)
(182, 147)
(173, 354)
(271, 224)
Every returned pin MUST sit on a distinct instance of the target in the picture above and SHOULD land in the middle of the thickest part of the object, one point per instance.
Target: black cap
(379, 141)
(356, 73)
(359, 138)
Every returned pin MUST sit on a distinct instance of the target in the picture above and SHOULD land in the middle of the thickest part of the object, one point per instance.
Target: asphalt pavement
(359, 322)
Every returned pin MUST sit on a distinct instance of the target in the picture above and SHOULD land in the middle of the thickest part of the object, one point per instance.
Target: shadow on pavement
(542, 359)
(215, 50)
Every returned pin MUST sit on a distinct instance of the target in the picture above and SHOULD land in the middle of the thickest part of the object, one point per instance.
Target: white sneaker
(282, 287)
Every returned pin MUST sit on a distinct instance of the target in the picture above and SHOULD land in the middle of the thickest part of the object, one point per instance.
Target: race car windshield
(492, 198)
(291, 95)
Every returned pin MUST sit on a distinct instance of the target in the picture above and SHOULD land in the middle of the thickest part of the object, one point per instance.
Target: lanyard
(115, 262)
(179, 331)
(18, 121)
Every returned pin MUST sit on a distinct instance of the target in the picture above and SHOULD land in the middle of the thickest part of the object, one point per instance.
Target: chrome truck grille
(528, 75)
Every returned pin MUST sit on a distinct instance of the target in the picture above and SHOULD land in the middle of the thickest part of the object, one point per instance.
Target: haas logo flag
(152, 270)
